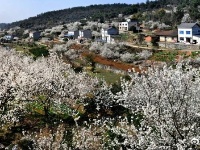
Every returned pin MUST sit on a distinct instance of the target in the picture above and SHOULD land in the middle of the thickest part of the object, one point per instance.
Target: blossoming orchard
(45, 104)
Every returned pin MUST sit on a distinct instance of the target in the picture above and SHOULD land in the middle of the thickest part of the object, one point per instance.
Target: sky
(15, 10)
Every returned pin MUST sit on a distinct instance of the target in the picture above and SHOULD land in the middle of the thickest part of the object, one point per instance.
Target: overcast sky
(15, 10)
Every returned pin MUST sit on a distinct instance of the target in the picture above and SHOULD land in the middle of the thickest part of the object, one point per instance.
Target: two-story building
(126, 26)
(108, 34)
(189, 33)
(78, 34)
(83, 34)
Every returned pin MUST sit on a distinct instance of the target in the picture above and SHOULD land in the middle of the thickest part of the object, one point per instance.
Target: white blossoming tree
(118, 51)
(46, 80)
(127, 57)
(155, 109)
(144, 54)
(169, 101)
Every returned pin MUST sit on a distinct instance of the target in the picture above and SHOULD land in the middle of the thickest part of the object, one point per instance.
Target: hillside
(151, 10)
(92, 12)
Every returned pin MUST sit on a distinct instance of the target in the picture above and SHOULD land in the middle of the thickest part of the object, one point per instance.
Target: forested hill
(92, 12)
(107, 12)
(189, 6)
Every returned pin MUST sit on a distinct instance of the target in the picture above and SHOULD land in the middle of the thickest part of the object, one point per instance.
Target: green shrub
(166, 56)
(195, 54)
(39, 51)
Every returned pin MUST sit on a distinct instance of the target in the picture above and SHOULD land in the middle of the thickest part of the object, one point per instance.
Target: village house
(167, 37)
(126, 26)
(189, 33)
(108, 34)
(7, 38)
(35, 35)
(69, 35)
(79, 34)
(83, 34)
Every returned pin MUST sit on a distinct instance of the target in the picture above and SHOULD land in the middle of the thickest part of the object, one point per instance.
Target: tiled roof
(187, 25)
(167, 33)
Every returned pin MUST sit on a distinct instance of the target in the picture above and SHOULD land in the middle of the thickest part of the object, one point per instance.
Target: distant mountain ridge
(92, 12)
(109, 11)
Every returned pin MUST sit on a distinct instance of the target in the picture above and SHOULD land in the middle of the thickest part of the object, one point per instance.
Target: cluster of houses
(107, 34)
(185, 34)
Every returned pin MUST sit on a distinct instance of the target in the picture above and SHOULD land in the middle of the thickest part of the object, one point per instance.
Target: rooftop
(167, 33)
(187, 25)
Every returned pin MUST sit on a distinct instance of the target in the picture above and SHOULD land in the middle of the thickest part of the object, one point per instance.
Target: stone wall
(178, 46)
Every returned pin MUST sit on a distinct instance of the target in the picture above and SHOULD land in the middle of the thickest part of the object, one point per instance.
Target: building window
(187, 32)
(181, 38)
(181, 32)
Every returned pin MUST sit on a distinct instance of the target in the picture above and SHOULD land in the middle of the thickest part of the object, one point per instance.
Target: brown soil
(115, 64)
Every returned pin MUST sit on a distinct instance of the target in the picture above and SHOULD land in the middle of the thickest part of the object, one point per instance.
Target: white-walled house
(125, 26)
(8, 38)
(189, 33)
(69, 34)
(108, 33)
(79, 34)
(83, 34)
